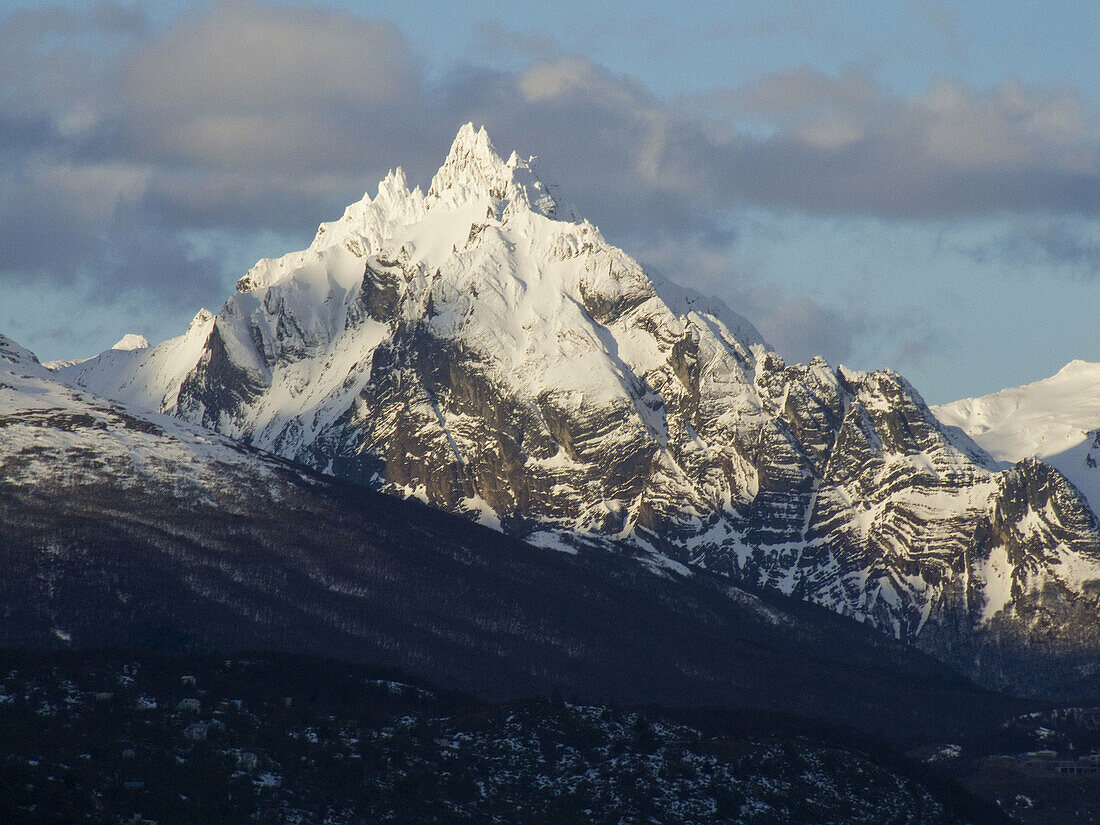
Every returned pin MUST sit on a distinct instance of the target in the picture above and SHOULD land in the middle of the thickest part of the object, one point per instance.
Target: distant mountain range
(480, 349)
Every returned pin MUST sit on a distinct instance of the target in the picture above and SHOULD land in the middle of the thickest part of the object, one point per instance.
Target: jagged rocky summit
(470, 348)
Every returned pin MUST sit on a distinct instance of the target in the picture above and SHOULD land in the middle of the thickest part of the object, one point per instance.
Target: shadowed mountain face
(470, 348)
(124, 531)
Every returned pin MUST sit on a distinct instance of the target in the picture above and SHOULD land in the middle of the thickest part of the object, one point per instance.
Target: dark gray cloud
(267, 89)
(118, 139)
(496, 39)
(31, 26)
(84, 227)
(844, 145)
(798, 326)
(1063, 246)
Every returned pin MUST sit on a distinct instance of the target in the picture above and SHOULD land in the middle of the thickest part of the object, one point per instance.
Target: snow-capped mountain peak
(473, 171)
(15, 356)
(203, 318)
(1056, 419)
(131, 341)
(469, 348)
(473, 187)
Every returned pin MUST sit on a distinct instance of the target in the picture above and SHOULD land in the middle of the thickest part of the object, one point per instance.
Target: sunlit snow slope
(1056, 420)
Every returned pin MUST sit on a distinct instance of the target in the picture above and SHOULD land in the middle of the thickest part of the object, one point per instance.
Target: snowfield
(1056, 420)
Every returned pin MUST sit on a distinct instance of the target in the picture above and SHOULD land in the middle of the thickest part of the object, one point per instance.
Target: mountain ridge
(469, 348)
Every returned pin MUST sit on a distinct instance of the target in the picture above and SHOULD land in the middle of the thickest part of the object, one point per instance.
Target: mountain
(140, 531)
(1056, 420)
(472, 348)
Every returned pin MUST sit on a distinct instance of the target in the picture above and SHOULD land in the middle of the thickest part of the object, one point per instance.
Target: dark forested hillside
(107, 737)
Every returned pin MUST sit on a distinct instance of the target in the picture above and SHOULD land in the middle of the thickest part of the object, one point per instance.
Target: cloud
(248, 106)
(263, 88)
(798, 92)
(244, 56)
(494, 38)
(119, 139)
(842, 145)
(54, 57)
(31, 26)
(797, 326)
(83, 226)
(1064, 246)
(800, 140)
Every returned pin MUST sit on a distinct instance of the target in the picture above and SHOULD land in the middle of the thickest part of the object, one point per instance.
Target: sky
(913, 185)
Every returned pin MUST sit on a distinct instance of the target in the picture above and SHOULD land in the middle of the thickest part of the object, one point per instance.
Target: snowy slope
(1056, 419)
(46, 426)
(147, 377)
(470, 348)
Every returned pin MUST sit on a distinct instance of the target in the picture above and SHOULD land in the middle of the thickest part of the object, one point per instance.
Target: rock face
(468, 348)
